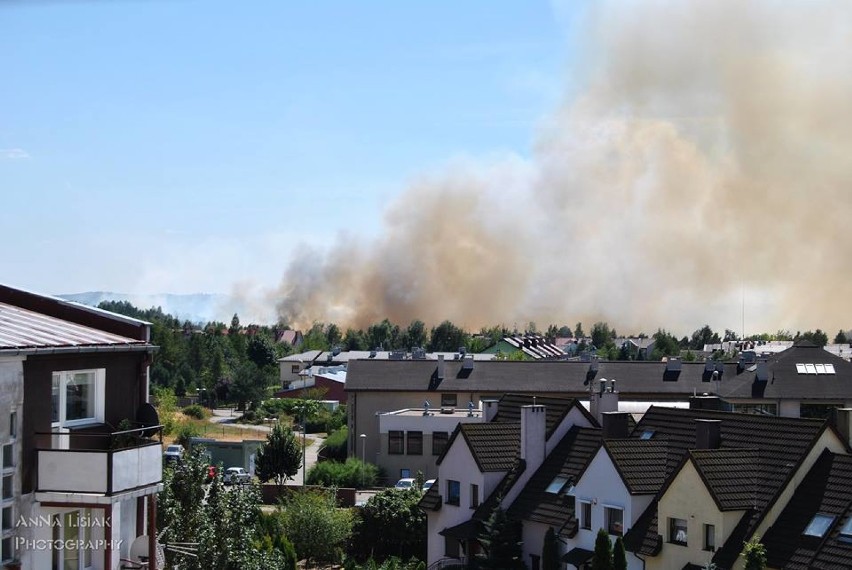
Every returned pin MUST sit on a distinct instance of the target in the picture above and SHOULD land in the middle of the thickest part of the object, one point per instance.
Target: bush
(334, 446)
(185, 431)
(352, 473)
(195, 411)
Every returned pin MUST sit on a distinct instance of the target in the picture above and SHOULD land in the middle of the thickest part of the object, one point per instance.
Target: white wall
(603, 486)
(458, 465)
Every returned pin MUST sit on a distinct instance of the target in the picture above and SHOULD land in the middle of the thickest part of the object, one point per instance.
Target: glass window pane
(8, 456)
(54, 415)
(80, 396)
(819, 525)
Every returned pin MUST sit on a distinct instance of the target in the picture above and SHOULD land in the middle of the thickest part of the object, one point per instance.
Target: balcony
(100, 464)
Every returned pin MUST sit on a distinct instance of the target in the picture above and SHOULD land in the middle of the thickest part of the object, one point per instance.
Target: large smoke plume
(702, 159)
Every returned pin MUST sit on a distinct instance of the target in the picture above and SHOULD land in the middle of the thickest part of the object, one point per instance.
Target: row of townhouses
(79, 484)
(402, 412)
(684, 488)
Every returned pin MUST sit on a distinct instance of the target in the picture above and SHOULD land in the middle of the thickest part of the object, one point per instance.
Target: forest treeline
(236, 362)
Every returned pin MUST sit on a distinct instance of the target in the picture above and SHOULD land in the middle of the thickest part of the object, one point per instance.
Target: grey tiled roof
(509, 409)
(644, 465)
(431, 499)
(571, 378)
(781, 444)
(568, 459)
(731, 476)
(826, 489)
(494, 446)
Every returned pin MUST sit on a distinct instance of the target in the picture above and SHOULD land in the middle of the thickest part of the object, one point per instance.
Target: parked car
(235, 476)
(173, 453)
(406, 483)
(427, 484)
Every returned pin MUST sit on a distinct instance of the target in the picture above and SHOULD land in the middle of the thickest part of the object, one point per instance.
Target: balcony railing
(100, 463)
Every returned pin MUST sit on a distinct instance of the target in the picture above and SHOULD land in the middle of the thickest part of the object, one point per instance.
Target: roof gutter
(78, 349)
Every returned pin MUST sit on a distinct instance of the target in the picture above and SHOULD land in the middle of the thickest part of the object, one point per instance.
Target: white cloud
(14, 154)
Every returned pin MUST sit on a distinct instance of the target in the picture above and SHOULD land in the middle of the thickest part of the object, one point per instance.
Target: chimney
(842, 420)
(708, 434)
(533, 436)
(607, 401)
(705, 402)
(615, 425)
(489, 409)
(440, 367)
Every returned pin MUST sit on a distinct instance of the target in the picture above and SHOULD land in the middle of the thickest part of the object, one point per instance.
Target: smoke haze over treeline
(700, 158)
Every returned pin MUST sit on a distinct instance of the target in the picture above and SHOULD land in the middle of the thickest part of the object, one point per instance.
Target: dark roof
(642, 464)
(509, 409)
(568, 459)
(468, 530)
(494, 446)
(431, 499)
(569, 378)
(729, 475)
(826, 489)
(785, 381)
(780, 443)
(484, 510)
(642, 538)
(577, 556)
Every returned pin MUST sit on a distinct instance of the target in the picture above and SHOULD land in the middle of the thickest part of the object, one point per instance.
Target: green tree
(416, 334)
(702, 336)
(665, 344)
(280, 457)
(354, 340)
(601, 335)
(249, 384)
(754, 554)
(619, 555)
(447, 337)
(578, 331)
(840, 337)
(602, 559)
(550, 551)
(817, 337)
(501, 542)
(261, 351)
(391, 524)
(315, 526)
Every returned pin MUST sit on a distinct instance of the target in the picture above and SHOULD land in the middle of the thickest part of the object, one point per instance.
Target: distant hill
(195, 307)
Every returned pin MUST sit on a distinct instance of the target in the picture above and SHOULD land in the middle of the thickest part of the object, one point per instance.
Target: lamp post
(363, 437)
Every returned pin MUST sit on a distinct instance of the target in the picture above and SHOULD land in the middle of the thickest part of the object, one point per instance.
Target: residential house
(803, 380)
(487, 464)
(736, 474)
(69, 376)
(532, 345)
(329, 381)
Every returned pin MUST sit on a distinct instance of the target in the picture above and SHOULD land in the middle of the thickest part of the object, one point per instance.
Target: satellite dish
(147, 416)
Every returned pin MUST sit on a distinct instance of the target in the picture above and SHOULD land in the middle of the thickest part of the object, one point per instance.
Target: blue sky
(184, 146)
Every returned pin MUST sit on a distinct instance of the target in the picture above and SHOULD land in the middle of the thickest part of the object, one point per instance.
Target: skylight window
(556, 485)
(820, 368)
(647, 434)
(819, 525)
(810, 368)
(800, 368)
(846, 531)
(829, 369)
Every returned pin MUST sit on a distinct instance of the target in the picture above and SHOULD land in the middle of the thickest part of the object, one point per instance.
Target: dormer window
(819, 525)
(647, 434)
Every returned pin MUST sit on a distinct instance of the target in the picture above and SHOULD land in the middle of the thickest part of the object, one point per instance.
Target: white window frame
(607, 523)
(86, 555)
(99, 397)
(585, 524)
